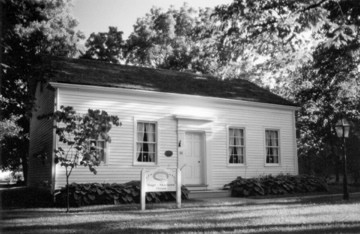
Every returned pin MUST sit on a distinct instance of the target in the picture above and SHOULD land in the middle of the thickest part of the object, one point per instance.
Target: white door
(193, 172)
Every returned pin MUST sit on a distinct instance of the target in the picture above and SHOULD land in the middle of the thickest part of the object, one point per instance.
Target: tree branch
(263, 24)
(315, 5)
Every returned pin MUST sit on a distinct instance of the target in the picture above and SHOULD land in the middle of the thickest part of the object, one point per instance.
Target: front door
(193, 172)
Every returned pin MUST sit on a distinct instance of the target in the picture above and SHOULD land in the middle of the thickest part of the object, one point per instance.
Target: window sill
(145, 165)
(272, 165)
(236, 165)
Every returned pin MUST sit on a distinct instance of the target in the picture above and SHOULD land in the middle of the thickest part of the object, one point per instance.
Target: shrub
(96, 194)
(278, 185)
(26, 197)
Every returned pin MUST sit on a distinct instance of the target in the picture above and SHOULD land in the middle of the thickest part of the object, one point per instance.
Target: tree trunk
(24, 159)
(24, 164)
(67, 194)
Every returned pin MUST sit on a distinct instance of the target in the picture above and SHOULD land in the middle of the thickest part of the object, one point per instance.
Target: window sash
(99, 146)
(236, 146)
(272, 146)
(146, 142)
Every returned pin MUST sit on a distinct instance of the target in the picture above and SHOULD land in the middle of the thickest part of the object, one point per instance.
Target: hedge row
(278, 185)
(95, 194)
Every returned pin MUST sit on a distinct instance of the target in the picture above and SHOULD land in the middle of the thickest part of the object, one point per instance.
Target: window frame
(135, 156)
(106, 150)
(278, 147)
(228, 147)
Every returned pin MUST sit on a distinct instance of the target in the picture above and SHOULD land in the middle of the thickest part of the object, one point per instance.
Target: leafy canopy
(284, 34)
(30, 30)
(75, 132)
(183, 39)
(105, 46)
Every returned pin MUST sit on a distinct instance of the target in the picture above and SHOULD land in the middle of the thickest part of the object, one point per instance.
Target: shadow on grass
(169, 207)
(113, 227)
(236, 219)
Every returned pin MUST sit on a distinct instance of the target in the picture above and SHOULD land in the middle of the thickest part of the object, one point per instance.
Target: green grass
(234, 215)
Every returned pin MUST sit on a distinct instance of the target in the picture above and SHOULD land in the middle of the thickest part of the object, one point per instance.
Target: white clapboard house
(213, 130)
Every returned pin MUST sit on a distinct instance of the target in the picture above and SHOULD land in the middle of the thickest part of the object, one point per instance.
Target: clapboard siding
(41, 135)
(152, 106)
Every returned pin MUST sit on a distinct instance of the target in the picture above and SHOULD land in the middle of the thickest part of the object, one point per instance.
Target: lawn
(234, 215)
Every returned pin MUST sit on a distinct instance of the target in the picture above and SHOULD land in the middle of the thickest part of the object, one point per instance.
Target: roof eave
(161, 95)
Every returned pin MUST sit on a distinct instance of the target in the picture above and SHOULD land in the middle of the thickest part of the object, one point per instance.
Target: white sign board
(160, 180)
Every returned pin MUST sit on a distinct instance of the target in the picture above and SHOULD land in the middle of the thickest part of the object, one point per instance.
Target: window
(272, 146)
(98, 147)
(146, 142)
(236, 146)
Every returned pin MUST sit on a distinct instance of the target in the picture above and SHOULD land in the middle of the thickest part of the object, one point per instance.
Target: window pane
(140, 127)
(151, 136)
(240, 151)
(236, 133)
(231, 132)
(236, 155)
(97, 149)
(151, 157)
(242, 142)
(276, 159)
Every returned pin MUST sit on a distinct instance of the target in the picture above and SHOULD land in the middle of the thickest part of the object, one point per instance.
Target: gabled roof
(93, 72)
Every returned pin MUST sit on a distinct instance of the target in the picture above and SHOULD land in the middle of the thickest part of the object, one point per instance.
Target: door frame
(200, 125)
(204, 153)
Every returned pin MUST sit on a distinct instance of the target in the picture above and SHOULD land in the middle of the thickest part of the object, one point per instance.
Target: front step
(196, 187)
(209, 194)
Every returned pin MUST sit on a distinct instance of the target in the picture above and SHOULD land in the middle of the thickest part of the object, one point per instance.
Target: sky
(98, 15)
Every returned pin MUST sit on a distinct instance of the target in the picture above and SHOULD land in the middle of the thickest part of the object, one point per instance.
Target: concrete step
(209, 194)
(199, 187)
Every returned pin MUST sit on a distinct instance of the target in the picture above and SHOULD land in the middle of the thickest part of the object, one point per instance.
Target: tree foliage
(183, 39)
(30, 30)
(327, 90)
(75, 131)
(264, 41)
(105, 46)
(285, 33)
(166, 39)
(9, 128)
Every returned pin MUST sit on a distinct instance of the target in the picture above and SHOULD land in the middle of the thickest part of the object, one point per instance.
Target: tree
(75, 131)
(284, 34)
(30, 30)
(182, 39)
(328, 90)
(163, 39)
(105, 46)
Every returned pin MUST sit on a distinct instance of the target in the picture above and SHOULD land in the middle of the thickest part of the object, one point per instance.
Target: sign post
(160, 180)
(178, 188)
